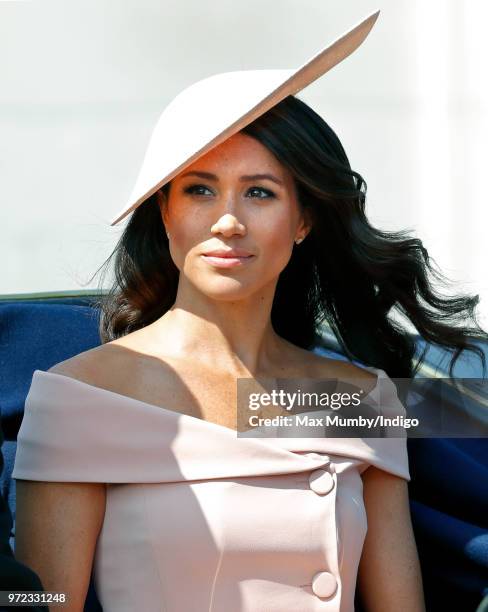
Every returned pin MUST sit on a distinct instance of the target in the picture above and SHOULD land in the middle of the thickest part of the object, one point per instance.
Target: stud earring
(298, 240)
(167, 234)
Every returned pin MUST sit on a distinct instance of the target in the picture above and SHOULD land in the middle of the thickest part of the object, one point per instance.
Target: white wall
(82, 83)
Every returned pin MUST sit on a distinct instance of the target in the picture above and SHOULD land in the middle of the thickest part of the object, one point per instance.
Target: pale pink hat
(211, 110)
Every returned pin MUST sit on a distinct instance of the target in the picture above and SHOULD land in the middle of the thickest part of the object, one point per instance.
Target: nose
(228, 225)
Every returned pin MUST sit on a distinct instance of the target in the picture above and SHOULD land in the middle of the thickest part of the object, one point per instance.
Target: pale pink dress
(198, 519)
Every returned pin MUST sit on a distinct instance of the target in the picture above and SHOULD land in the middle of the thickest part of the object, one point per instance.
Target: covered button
(321, 481)
(324, 584)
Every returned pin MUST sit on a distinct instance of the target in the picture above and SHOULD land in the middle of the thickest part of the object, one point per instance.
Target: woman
(128, 460)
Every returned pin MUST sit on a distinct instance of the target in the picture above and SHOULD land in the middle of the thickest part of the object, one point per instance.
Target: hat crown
(195, 117)
(211, 110)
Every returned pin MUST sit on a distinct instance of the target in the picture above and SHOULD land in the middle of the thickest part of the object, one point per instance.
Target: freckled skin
(229, 212)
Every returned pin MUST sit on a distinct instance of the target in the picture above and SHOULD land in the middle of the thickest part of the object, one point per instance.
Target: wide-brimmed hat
(211, 110)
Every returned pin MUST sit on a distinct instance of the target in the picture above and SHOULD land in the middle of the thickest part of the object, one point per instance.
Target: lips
(227, 258)
(231, 253)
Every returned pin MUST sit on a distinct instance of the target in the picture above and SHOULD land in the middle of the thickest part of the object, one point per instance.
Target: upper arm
(57, 526)
(389, 572)
(58, 523)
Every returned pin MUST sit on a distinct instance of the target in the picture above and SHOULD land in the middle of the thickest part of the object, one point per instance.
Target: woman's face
(237, 196)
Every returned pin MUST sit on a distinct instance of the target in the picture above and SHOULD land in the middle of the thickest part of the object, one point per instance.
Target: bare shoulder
(94, 365)
(307, 364)
(346, 372)
(344, 368)
(315, 365)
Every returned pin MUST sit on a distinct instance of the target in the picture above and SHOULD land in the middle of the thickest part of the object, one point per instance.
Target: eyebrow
(245, 177)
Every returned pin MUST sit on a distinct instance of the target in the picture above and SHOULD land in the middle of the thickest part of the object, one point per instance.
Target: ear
(305, 224)
(163, 205)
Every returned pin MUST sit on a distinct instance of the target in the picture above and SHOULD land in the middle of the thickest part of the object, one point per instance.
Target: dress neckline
(150, 443)
(173, 413)
(168, 411)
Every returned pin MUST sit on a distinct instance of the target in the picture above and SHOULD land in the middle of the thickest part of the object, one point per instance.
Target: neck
(233, 336)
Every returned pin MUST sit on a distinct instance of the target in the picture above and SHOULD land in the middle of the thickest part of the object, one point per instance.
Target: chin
(226, 289)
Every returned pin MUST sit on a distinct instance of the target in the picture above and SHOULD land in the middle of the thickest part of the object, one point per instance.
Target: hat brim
(285, 83)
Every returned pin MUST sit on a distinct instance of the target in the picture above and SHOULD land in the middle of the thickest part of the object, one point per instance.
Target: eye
(196, 189)
(199, 190)
(269, 194)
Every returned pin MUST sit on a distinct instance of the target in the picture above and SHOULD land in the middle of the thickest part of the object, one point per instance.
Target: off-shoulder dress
(199, 519)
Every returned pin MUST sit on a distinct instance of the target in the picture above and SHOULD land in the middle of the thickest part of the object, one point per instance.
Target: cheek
(187, 232)
(276, 233)
(275, 242)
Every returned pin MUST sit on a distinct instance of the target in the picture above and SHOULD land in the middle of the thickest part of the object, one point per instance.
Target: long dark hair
(345, 272)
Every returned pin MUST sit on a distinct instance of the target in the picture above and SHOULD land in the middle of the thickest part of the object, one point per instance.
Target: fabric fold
(73, 431)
